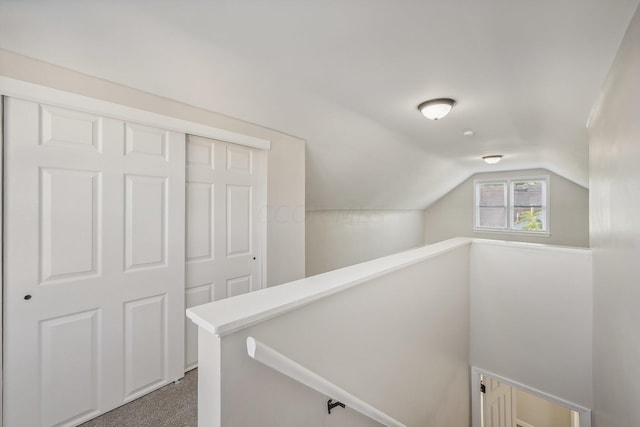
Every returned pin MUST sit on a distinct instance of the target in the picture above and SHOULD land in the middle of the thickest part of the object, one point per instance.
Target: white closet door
(94, 263)
(223, 228)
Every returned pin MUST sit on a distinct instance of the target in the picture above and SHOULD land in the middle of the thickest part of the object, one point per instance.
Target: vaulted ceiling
(347, 75)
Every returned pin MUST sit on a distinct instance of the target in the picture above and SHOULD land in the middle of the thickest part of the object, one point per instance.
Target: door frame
(73, 101)
(59, 98)
(583, 413)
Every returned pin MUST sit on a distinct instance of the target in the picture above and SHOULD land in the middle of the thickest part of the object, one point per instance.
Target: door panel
(70, 129)
(223, 231)
(69, 238)
(238, 220)
(239, 159)
(94, 265)
(497, 404)
(238, 286)
(200, 152)
(145, 226)
(146, 140)
(70, 338)
(200, 217)
(145, 341)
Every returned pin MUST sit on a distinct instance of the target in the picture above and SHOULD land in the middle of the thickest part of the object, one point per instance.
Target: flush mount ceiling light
(492, 159)
(435, 109)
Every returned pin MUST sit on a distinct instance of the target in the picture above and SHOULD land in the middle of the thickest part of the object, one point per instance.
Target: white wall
(452, 215)
(615, 237)
(399, 341)
(1, 264)
(285, 211)
(402, 337)
(531, 314)
(286, 160)
(539, 412)
(337, 238)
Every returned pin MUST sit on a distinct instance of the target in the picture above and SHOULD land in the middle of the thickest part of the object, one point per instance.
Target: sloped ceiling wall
(615, 238)
(347, 76)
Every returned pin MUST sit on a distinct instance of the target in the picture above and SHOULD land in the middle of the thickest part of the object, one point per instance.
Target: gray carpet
(174, 405)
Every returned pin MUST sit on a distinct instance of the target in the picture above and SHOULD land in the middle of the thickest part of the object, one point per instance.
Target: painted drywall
(452, 215)
(399, 342)
(540, 412)
(1, 267)
(531, 314)
(338, 238)
(615, 237)
(349, 78)
(284, 214)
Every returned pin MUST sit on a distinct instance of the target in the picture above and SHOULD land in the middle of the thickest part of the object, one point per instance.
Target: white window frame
(509, 203)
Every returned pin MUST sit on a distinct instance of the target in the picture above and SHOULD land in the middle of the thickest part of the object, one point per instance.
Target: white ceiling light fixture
(492, 159)
(435, 109)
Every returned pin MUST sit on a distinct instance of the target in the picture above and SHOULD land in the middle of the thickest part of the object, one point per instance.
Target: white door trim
(59, 98)
(584, 413)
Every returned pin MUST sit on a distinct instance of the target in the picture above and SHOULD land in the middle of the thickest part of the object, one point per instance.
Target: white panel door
(496, 404)
(94, 263)
(223, 229)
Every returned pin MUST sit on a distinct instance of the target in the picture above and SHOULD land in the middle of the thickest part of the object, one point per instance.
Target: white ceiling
(347, 75)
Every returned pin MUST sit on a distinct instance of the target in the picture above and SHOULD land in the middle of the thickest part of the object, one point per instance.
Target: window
(512, 205)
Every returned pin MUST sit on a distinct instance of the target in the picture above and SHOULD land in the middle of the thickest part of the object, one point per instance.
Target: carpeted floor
(174, 405)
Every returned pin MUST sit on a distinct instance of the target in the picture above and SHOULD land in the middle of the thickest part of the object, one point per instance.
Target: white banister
(275, 360)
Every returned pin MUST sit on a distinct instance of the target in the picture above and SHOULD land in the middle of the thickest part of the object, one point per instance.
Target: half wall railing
(281, 363)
